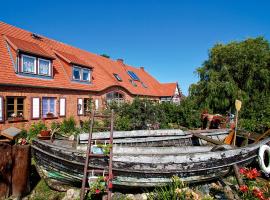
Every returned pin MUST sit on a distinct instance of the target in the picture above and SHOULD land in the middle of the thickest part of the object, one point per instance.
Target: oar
(238, 105)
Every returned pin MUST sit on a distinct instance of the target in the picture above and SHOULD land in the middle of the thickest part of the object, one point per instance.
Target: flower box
(45, 133)
(49, 115)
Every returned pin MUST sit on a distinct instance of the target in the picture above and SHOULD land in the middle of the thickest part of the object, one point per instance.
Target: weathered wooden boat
(145, 158)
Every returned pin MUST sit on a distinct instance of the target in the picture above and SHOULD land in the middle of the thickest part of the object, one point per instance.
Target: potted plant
(49, 115)
(44, 132)
(15, 117)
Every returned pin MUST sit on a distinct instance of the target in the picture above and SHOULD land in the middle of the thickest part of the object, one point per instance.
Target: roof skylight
(132, 82)
(133, 75)
(117, 77)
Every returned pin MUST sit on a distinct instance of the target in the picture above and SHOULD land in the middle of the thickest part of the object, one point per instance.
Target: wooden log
(237, 175)
(208, 139)
(5, 170)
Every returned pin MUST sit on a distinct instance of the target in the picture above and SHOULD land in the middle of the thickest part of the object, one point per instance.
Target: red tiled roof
(71, 59)
(65, 55)
(168, 89)
(27, 47)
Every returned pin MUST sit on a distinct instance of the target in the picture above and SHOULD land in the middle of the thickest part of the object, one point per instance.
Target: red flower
(243, 188)
(252, 174)
(110, 185)
(97, 191)
(255, 172)
(257, 193)
(243, 170)
(24, 141)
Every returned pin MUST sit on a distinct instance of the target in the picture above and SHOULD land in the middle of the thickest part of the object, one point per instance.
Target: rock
(118, 195)
(142, 196)
(72, 194)
(130, 197)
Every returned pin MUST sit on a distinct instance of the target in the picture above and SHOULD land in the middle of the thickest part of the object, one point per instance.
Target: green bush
(146, 114)
(35, 130)
(68, 127)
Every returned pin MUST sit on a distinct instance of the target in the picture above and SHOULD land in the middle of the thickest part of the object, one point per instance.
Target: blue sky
(169, 38)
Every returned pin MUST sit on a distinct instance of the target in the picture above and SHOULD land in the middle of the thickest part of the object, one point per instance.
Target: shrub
(68, 127)
(35, 130)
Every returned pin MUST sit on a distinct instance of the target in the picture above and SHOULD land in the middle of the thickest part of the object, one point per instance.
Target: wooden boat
(145, 158)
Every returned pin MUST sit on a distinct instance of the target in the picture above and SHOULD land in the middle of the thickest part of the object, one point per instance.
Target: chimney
(142, 68)
(120, 60)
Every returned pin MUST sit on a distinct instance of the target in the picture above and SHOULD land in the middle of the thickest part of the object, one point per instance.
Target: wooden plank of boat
(168, 163)
(63, 159)
(150, 133)
(208, 139)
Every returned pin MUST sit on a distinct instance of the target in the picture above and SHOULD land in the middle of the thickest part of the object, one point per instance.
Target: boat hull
(143, 166)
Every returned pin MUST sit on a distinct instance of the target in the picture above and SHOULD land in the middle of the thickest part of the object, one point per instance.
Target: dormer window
(81, 74)
(44, 67)
(85, 74)
(35, 65)
(117, 77)
(28, 64)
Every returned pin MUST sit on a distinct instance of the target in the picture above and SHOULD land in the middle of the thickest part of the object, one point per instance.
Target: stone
(72, 194)
(130, 197)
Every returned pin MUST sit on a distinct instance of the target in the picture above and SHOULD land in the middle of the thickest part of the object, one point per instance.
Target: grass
(43, 192)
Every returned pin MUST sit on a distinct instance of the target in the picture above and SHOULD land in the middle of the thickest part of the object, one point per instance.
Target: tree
(238, 70)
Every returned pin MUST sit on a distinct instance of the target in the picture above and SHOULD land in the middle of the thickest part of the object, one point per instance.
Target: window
(48, 107)
(15, 108)
(133, 83)
(28, 64)
(76, 73)
(87, 105)
(86, 75)
(114, 97)
(117, 77)
(165, 99)
(44, 67)
(133, 75)
(81, 74)
(34, 65)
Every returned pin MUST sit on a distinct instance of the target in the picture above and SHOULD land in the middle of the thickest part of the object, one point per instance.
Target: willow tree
(238, 70)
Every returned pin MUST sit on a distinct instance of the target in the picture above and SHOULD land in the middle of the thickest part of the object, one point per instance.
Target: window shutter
(80, 106)
(62, 111)
(1, 109)
(96, 104)
(35, 108)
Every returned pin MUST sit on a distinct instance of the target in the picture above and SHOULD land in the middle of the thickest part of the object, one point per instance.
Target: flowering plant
(253, 189)
(98, 186)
